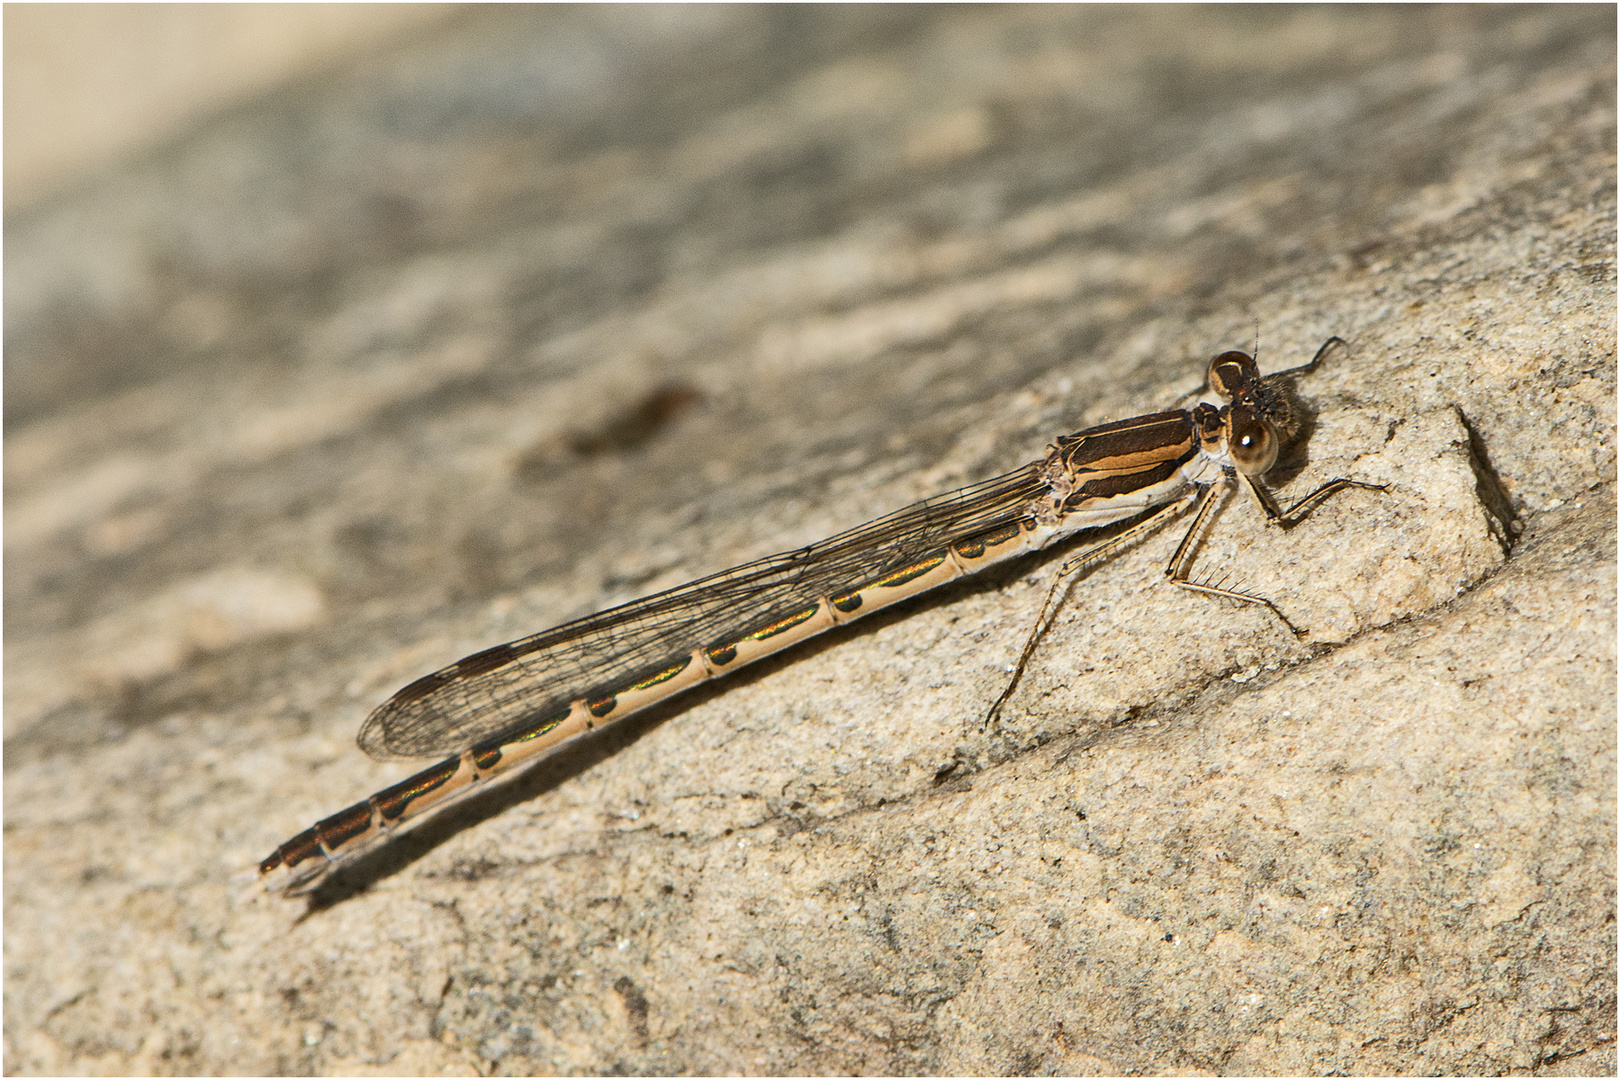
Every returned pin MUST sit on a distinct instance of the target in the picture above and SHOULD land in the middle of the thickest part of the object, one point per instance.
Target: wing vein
(496, 691)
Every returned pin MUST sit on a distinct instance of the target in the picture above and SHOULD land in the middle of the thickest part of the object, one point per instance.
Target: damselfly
(507, 706)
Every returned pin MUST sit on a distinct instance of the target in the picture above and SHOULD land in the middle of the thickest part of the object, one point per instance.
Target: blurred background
(87, 85)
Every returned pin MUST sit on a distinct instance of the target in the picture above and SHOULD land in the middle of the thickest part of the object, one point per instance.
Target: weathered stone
(566, 306)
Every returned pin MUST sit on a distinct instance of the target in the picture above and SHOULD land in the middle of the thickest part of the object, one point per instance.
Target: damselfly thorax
(508, 706)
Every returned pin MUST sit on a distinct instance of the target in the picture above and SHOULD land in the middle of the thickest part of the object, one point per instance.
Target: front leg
(1287, 519)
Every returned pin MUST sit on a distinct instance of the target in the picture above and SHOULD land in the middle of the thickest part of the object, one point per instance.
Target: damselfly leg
(1242, 440)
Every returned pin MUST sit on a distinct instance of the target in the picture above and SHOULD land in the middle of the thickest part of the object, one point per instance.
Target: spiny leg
(1180, 565)
(1060, 588)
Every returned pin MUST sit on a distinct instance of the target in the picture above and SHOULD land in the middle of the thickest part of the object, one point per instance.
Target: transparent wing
(499, 690)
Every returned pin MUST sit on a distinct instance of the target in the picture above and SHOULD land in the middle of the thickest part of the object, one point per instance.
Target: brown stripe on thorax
(1128, 445)
(1124, 482)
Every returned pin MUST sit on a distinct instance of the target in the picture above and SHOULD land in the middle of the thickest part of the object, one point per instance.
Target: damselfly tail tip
(273, 877)
(249, 886)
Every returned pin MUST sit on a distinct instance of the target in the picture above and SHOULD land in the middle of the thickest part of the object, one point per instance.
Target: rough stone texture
(566, 306)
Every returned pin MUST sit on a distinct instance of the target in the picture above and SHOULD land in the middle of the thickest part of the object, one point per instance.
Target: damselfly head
(1259, 419)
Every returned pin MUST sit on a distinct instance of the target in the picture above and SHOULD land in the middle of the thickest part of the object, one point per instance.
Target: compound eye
(1231, 373)
(1252, 444)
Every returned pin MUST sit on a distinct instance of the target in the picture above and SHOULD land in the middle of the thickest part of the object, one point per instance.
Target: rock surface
(565, 306)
